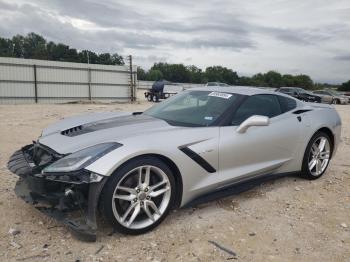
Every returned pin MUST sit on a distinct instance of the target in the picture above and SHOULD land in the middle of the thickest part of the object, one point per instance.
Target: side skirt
(237, 188)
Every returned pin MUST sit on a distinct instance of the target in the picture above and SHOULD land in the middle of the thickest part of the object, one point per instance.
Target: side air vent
(300, 111)
(72, 131)
(198, 159)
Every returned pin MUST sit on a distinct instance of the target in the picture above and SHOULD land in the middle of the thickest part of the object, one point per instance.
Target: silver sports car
(135, 167)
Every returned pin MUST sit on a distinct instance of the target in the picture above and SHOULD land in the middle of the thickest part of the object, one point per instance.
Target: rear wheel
(139, 195)
(317, 156)
(149, 97)
(336, 101)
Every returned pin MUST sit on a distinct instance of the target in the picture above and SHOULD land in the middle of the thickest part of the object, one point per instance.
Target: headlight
(80, 159)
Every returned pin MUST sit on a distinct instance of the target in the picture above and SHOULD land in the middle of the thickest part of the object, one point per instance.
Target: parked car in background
(347, 94)
(216, 84)
(333, 96)
(300, 94)
(326, 98)
(267, 88)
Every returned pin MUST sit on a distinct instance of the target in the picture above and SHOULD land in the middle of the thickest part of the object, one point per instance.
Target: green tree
(258, 80)
(6, 47)
(117, 59)
(59, 52)
(105, 59)
(303, 81)
(36, 47)
(154, 75)
(141, 74)
(288, 80)
(245, 81)
(71, 55)
(173, 72)
(221, 74)
(273, 79)
(345, 86)
(18, 46)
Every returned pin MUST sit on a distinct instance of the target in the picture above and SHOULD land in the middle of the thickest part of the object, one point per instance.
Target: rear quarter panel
(322, 117)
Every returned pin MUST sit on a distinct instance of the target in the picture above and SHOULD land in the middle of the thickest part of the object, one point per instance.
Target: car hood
(75, 133)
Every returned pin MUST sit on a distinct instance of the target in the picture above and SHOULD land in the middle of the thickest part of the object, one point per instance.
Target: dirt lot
(283, 220)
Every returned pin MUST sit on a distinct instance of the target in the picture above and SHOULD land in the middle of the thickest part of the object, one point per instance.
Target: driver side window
(265, 105)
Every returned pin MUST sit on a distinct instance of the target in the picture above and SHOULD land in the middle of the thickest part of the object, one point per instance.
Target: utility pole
(132, 87)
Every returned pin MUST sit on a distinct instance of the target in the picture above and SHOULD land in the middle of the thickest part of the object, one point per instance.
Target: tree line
(35, 46)
(192, 74)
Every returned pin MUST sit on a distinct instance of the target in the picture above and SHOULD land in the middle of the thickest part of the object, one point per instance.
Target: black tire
(305, 172)
(336, 101)
(149, 97)
(108, 191)
(155, 98)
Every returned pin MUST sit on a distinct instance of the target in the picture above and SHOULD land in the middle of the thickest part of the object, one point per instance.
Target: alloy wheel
(141, 197)
(319, 156)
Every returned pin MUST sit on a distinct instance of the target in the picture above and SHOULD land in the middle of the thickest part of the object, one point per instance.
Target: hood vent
(128, 120)
(74, 131)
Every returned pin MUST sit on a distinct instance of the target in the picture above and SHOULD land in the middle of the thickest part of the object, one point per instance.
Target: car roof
(242, 90)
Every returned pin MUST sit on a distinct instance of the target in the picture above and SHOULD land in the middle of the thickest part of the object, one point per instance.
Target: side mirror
(253, 121)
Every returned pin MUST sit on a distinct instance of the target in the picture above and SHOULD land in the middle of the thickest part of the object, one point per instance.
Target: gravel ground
(287, 219)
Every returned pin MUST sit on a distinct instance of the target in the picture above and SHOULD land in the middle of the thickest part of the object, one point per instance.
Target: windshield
(193, 108)
(300, 90)
(332, 92)
(308, 92)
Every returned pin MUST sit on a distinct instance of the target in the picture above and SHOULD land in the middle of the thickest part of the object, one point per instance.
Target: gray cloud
(181, 30)
(345, 57)
(210, 29)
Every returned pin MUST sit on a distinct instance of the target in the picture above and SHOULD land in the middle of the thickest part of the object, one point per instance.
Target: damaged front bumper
(60, 196)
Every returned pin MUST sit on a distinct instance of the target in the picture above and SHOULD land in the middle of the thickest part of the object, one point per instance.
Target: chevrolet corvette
(135, 167)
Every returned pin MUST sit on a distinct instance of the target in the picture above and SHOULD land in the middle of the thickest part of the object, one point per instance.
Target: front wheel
(317, 156)
(139, 195)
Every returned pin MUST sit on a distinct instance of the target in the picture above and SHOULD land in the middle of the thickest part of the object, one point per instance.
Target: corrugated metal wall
(30, 81)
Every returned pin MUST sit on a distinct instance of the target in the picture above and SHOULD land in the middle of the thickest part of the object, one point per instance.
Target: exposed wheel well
(174, 169)
(330, 134)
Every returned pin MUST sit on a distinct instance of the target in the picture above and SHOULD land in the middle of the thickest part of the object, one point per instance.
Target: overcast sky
(299, 36)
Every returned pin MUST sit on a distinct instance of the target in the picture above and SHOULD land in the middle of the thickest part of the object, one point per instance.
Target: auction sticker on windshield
(221, 95)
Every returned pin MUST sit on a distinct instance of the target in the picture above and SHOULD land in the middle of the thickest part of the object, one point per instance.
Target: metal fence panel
(109, 77)
(30, 81)
(62, 90)
(110, 92)
(62, 75)
(12, 72)
(17, 93)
